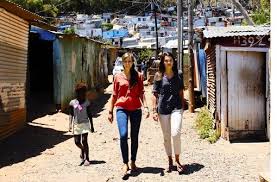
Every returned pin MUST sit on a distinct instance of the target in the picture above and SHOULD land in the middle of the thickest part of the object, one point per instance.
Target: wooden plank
(217, 81)
(268, 95)
(245, 88)
(245, 49)
(223, 92)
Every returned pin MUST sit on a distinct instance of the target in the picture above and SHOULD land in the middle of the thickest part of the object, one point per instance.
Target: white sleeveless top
(80, 111)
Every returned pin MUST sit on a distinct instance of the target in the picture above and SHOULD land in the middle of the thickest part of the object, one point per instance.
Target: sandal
(86, 163)
(180, 168)
(125, 172)
(169, 169)
(82, 160)
(134, 168)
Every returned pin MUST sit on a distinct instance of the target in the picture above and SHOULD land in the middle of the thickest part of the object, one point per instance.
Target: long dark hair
(162, 66)
(133, 72)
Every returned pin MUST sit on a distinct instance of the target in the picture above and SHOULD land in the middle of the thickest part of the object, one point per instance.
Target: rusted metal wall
(78, 60)
(112, 55)
(211, 78)
(13, 68)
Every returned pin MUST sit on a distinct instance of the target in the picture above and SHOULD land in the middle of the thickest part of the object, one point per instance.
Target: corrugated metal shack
(74, 59)
(238, 92)
(14, 36)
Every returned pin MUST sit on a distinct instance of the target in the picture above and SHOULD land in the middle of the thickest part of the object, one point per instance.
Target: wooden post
(180, 33)
(191, 58)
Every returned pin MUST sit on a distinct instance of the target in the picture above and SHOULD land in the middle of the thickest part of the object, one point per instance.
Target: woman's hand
(146, 112)
(155, 116)
(110, 118)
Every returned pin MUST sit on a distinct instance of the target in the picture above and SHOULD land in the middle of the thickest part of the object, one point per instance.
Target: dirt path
(45, 152)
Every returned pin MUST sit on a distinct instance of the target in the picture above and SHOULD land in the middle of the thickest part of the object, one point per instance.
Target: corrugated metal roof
(212, 32)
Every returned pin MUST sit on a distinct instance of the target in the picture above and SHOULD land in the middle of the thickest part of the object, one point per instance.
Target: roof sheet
(212, 32)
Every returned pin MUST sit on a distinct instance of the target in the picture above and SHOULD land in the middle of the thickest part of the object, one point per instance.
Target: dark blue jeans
(122, 116)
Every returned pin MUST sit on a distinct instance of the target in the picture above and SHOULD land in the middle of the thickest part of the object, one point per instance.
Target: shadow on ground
(148, 170)
(99, 104)
(29, 142)
(39, 105)
(192, 168)
(97, 162)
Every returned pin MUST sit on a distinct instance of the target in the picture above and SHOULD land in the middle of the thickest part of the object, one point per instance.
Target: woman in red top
(128, 97)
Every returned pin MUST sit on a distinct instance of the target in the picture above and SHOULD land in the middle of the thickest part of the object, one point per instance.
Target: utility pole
(154, 9)
(191, 58)
(180, 34)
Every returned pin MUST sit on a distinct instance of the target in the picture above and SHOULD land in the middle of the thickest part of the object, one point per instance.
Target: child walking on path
(80, 121)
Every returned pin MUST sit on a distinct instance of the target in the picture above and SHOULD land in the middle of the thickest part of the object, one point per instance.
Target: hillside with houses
(131, 31)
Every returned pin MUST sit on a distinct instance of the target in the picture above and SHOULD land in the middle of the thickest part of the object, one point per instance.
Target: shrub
(204, 126)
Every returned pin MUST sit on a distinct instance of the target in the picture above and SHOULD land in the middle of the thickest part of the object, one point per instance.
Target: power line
(156, 3)
(126, 8)
(144, 9)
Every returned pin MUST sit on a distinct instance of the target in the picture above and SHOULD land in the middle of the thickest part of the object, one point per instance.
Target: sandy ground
(45, 152)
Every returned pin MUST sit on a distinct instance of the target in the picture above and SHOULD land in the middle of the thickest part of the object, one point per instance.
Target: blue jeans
(122, 116)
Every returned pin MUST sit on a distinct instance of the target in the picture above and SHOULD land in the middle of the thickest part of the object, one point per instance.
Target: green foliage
(244, 23)
(262, 15)
(52, 7)
(107, 26)
(69, 31)
(145, 54)
(204, 126)
(41, 7)
(214, 136)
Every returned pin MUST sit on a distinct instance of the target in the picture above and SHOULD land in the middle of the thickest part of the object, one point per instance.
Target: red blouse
(127, 98)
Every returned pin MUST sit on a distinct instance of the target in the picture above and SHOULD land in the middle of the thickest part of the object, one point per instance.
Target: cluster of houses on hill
(139, 31)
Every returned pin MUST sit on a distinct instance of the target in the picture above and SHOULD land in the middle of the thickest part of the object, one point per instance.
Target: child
(80, 118)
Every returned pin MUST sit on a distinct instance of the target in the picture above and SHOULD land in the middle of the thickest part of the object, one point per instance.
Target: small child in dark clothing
(80, 121)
